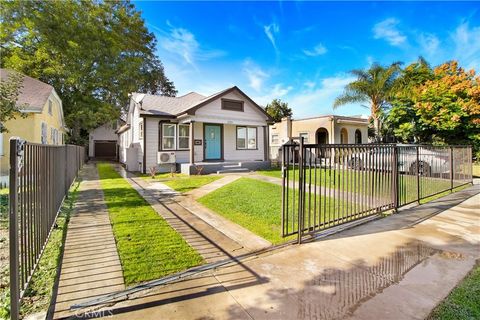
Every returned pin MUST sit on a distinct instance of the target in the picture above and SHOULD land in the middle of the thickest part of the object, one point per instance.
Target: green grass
(255, 205)
(148, 247)
(39, 292)
(183, 183)
(361, 181)
(463, 302)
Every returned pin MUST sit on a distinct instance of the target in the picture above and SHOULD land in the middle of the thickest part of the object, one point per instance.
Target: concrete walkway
(91, 266)
(398, 267)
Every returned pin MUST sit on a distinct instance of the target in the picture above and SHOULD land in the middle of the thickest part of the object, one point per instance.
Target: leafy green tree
(402, 120)
(10, 88)
(375, 86)
(278, 109)
(94, 53)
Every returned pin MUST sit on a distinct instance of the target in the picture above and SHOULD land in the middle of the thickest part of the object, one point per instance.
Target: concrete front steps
(233, 168)
(230, 166)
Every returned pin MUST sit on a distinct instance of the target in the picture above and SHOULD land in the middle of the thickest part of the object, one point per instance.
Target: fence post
(395, 177)
(13, 231)
(418, 173)
(65, 178)
(300, 191)
(451, 169)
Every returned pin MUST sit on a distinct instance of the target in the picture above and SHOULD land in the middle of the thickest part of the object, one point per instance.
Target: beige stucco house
(224, 131)
(329, 129)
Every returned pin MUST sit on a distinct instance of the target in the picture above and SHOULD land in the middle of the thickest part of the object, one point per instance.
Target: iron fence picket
(329, 185)
(37, 189)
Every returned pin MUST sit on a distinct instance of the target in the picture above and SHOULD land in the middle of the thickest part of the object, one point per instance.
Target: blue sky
(301, 52)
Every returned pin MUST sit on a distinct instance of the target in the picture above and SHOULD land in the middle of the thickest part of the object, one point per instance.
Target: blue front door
(213, 142)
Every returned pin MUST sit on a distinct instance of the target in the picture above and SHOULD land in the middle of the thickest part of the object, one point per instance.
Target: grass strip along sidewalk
(183, 183)
(39, 292)
(463, 302)
(148, 247)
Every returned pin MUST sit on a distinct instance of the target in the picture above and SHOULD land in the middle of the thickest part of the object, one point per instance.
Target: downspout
(144, 145)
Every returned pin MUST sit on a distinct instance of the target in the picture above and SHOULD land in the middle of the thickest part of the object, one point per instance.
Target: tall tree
(402, 120)
(375, 86)
(10, 87)
(449, 104)
(278, 109)
(94, 53)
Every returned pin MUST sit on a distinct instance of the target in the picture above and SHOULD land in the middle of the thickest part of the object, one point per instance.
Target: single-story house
(329, 129)
(194, 133)
(103, 142)
(43, 122)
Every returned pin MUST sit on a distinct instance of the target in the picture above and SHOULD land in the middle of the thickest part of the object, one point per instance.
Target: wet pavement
(399, 267)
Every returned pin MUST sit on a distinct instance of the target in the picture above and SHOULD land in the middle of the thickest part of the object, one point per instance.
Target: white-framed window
(140, 130)
(50, 106)
(246, 138)
(305, 136)
(275, 139)
(44, 133)
(183, 136)
(168, 136)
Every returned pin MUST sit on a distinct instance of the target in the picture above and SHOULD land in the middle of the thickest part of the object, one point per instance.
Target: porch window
(183, 136)
(246, 138)
(168, 136)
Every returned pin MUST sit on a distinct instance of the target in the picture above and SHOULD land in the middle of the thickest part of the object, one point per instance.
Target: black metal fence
(40, 177)
(326, 185)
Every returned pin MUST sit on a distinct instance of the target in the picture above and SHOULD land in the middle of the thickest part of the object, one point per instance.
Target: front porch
(223, 166)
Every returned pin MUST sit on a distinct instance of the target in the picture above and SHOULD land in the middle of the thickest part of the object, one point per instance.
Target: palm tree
(375, 86)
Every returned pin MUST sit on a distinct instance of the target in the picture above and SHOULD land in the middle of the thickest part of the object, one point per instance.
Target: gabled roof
(34, 92)
(187, 104)
(166, 106)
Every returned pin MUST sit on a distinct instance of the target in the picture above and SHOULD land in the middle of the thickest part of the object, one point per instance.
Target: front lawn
(373, 183)
(148, 247)
(256, 205)
(183, 183)
(463, 302)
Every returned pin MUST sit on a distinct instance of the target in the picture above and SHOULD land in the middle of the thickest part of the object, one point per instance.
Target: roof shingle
(33, 93)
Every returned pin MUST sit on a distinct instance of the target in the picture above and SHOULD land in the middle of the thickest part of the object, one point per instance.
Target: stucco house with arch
(329, 129)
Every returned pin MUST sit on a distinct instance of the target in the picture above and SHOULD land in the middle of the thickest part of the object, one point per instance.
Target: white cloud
(429, 44)
(256, 76)
(387, 30)
(271, 30)
(278, 91)
(181, 42)
(467, 45)
(320, 101)
(318, 50)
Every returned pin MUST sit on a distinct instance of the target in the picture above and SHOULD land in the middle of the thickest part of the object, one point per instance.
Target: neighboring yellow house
(44, 122)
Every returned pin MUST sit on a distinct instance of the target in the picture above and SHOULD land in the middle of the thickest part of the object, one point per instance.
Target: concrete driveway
(399, 267)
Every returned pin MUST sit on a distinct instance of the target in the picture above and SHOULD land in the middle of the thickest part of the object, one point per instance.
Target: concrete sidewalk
(90, 266)
(399, 267)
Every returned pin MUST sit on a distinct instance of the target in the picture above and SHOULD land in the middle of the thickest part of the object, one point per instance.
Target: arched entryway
(358, 136)
(343, 136)
(321, 136)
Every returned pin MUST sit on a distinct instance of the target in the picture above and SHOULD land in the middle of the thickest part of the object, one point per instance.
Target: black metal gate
(326, 185)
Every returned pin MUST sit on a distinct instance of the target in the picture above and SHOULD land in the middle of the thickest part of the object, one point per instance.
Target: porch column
(266, 146)
(192, 142)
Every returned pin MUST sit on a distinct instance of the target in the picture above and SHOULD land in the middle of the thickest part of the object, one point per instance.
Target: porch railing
(326, 185)
(40, 177)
